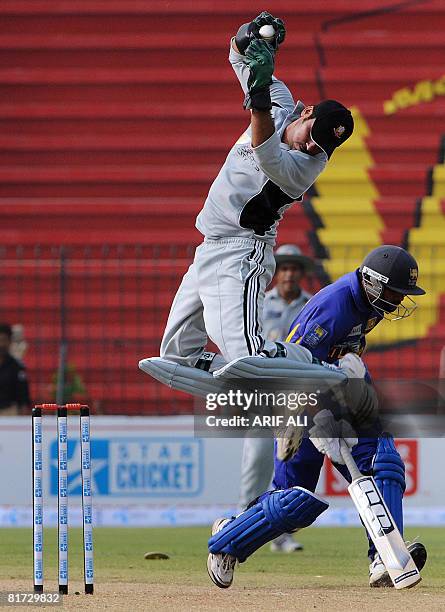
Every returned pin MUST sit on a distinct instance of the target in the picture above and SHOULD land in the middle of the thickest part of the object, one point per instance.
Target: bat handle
(349, 461)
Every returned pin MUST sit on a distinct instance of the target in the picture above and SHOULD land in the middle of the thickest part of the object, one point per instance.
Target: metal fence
(89, 313)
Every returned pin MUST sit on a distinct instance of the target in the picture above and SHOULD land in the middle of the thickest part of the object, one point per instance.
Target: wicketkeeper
(270, 167)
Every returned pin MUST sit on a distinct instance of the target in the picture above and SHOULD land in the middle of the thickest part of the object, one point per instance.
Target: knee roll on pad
(389, 473)
(278, 512)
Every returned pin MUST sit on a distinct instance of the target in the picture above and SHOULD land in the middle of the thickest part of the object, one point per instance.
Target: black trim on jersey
(250, 300)
(261, 211)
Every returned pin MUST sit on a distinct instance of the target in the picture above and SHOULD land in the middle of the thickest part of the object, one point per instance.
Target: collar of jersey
(291, 116)
(295, 114)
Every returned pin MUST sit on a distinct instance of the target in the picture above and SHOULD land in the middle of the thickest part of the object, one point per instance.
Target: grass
(333, 557)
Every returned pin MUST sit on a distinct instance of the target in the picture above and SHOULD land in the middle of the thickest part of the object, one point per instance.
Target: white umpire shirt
(278, 315)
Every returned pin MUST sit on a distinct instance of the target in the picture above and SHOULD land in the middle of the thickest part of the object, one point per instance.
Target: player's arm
(294, 172)
(279, 92)
(262, 127)
(241, 57)
(239, 66)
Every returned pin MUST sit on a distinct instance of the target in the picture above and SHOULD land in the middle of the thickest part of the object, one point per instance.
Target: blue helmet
(391, 267)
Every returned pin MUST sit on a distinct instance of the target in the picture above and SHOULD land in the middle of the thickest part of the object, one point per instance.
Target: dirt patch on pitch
(172, 597)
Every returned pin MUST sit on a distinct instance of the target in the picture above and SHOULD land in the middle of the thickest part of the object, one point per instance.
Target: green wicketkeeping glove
(260, 59)
(251, 31)
(265, 18)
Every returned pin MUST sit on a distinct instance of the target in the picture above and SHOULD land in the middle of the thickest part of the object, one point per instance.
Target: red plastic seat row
(74, 149)
(201, 12)
(168, 216)
(383, 46)
(403, 46)
(142, 118)
(17, 181)
(129, 85)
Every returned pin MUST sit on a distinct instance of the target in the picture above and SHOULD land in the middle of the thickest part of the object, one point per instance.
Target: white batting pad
(278, 367)
(183, 378)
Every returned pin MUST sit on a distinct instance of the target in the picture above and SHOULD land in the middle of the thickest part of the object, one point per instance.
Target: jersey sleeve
(294, 172)
(240, 68)
(280, 95)
(279, 92)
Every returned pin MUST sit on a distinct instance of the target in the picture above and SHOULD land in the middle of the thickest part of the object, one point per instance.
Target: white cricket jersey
(255, 183)
(278, 315)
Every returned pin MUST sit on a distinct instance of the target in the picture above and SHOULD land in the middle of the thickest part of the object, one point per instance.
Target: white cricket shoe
(285, 543)
(379, 577)
(220, 566)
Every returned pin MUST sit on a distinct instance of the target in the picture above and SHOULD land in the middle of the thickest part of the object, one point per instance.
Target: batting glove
(352, 365)
(327, 433)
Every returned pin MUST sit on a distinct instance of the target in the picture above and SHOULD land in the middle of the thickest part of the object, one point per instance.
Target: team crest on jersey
(339, 131)
(370, 324)
(315, 335)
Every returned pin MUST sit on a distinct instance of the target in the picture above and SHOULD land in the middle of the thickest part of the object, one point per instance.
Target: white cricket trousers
(221, 297)
(257, 466)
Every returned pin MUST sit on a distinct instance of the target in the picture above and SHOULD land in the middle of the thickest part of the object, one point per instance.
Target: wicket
(62, 494)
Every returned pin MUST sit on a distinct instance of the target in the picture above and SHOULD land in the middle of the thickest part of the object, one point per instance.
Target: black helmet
(391, 267)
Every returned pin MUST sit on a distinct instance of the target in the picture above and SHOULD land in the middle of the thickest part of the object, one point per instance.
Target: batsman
(333, 327)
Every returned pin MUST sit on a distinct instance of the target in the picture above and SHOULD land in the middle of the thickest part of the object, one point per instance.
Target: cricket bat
(380, 525)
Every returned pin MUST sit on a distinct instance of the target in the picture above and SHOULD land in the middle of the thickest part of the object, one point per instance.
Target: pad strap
(205, 361)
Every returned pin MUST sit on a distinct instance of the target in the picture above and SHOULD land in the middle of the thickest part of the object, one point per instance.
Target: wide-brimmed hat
(290, 253)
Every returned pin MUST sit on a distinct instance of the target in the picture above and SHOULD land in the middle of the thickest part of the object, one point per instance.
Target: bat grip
(349, 461)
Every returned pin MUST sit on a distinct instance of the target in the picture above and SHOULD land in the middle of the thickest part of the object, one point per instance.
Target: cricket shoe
(379, 577)
(220, 566)
(285, 543)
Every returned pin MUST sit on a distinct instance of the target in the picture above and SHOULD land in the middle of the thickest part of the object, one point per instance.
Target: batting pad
(183, 378)
(278, 512)
(389, 473)
(277, 367)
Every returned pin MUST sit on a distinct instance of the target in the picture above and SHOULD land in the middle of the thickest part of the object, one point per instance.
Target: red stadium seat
(110, 138)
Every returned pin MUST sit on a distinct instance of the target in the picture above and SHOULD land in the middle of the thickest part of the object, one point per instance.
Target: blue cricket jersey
(335, 320)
